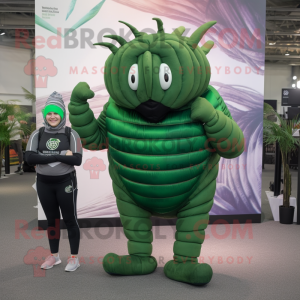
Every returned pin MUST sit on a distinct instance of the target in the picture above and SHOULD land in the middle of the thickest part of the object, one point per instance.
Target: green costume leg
(137, 228)
(192, 220)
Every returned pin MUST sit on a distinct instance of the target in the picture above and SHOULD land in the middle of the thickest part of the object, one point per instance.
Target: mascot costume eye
(166, 129)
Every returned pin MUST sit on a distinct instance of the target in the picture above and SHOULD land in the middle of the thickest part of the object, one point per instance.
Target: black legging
(17, 146)
(59, 192)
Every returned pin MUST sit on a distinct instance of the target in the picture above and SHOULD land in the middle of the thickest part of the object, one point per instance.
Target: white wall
(277, 77)
(12, 76)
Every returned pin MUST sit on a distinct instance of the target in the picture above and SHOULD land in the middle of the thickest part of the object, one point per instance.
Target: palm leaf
(39, 21)
(281, 132)
(29, 96)
(90, 15)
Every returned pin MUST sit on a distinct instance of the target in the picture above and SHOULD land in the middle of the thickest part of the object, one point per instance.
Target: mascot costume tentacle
(166, 129)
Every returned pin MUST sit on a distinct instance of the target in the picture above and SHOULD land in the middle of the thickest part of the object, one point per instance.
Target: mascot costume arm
(224, 135)
(92, 131)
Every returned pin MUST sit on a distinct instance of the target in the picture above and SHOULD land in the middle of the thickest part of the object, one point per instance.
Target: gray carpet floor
(263, 264)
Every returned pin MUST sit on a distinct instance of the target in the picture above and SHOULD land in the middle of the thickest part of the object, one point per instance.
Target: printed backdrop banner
(65, 55)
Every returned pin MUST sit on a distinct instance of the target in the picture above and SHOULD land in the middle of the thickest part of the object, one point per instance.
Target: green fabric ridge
(136, 223)
(129, 116)
(141, 92)
(161, 176)
(157, 92)
(147, 66)
(85, 118)
(135, 131)
(181, 249)
(162, 190)
(78, 109)
(189, 272)
(190, 236)
(157, 146)
(165, 162)
(161, 206)
(139, 236)
(138, 248)
(128, 264)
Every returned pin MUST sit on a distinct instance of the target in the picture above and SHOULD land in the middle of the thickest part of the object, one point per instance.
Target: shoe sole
(47, 268)
(73, 270)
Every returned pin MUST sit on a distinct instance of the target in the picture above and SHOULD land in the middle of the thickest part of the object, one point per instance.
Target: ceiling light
(293, 85)
(298, 84)
(2, 33)
(294, 77)
(271, 44)
(287, 52)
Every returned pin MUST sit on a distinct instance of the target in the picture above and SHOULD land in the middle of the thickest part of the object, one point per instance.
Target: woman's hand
(69, 152)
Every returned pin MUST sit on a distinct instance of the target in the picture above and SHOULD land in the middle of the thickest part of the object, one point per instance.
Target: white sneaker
(73, 264)
(50, 261)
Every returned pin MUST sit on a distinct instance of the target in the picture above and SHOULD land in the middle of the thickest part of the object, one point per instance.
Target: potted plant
(282, 131)
(8, 129)
(6, 109)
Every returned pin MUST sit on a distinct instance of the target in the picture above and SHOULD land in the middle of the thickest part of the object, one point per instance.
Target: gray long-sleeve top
(49, 156)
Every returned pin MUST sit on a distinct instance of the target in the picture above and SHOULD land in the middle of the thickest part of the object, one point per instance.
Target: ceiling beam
(283, 18)
(282, 33)
(286, 41)
(285, 44)
(17, 9)
(29, 39)
(280, 57)
(17, 26)
(16, 2)
(282, 46)
(293, 9)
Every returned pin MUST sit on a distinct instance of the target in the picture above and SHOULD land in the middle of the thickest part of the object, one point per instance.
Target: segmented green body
(166, 168)
(160, 164)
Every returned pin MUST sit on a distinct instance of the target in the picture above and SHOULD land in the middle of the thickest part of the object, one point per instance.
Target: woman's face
(53, 119)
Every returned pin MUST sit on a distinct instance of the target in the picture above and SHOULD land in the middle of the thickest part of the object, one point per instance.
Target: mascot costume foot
(167, 129)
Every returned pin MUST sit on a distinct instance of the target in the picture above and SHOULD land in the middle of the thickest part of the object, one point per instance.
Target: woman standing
(55, 152)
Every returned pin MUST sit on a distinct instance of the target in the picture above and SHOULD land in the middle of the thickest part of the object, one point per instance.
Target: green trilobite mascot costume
(166, 130)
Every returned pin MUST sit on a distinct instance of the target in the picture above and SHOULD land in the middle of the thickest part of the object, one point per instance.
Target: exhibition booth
(171, 107)
(65, 56)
